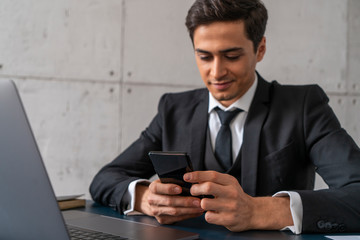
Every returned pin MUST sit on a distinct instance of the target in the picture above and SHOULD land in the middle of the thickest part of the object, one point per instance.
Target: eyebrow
(234, 49)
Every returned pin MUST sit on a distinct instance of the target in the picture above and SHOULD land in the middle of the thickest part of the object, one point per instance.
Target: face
(226, 59)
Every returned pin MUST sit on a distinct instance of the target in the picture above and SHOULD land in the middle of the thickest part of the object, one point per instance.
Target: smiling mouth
(222, 85)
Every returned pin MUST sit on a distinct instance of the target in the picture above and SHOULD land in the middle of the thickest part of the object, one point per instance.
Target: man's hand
(233, 208)
(164, 203)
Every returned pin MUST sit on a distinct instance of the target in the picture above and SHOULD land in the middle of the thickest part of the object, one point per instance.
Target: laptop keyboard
(79, 233)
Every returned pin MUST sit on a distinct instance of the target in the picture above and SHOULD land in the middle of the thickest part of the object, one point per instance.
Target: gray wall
(91, 72)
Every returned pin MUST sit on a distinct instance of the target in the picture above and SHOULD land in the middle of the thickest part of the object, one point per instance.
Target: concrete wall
(91, 72)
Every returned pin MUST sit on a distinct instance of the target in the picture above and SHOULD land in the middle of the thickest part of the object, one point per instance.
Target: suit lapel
(198, 131)
(252, 130)
(251, 140)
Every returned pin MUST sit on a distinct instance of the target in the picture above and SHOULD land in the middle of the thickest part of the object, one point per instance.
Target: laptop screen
(28, 208)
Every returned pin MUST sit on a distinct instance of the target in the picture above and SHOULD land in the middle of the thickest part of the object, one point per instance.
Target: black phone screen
(171, 167)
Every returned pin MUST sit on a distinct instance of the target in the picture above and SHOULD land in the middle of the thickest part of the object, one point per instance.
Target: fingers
(164, 189)
(231, 206)
(158, 211)
(168, 209)
(207, 188)
(173, 201)
(213, 183)
(235, 216)
(167, 206)
(219, 204)
(209, 176)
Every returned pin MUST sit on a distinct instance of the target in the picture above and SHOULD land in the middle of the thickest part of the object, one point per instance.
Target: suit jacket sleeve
(337, 160)
(111, 182)
(174, 128)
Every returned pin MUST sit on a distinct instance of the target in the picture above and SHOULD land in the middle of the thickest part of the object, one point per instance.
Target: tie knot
(226, 116)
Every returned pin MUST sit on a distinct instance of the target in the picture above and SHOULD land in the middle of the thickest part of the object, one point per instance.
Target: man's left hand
(233, 208)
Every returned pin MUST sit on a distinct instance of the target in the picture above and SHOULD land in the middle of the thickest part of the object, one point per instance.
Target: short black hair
(252, 12)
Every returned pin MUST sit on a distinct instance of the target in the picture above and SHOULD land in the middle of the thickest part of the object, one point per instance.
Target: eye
(205, 57)
(232, 57)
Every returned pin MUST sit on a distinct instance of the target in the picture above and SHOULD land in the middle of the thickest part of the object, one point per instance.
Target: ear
(261, 50)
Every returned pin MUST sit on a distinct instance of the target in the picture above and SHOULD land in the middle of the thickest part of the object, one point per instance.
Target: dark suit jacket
(290, 132)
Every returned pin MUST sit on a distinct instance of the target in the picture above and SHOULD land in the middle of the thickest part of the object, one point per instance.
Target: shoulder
(185, 98)
(297, 92)
(184, 105)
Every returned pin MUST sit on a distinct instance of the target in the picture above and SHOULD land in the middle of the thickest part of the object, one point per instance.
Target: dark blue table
(209, 231)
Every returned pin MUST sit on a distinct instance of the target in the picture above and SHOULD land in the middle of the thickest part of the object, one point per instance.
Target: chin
(223, 97)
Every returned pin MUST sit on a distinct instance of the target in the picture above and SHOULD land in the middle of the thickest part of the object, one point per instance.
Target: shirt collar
(242, 103)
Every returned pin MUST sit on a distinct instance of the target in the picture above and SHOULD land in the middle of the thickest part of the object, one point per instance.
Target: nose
(218, 69)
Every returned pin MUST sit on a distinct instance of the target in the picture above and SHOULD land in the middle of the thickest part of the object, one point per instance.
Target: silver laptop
(28, 207)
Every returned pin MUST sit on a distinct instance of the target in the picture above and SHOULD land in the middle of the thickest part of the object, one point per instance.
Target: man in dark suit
(281, 135)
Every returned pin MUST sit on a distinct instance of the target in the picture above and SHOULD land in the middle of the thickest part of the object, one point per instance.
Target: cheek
(241, 69)
(238, 72)
(203, 70)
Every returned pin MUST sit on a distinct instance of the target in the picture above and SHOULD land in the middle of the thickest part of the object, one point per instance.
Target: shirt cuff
(296, 209)
(130, 196)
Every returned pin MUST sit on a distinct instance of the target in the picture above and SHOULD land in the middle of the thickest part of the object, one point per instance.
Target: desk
(208, 231)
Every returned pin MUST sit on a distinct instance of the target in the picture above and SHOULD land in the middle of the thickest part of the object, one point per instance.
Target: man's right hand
(164, 202)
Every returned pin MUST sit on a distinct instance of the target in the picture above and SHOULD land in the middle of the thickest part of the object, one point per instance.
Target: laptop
(28, 206)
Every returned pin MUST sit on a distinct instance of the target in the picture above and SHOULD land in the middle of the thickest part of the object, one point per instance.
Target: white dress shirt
(237, 124)
(237, 130)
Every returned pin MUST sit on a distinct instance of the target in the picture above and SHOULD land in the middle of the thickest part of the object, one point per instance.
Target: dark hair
(252, 12)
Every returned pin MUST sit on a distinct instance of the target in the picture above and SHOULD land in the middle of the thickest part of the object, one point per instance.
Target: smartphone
(171, 167)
